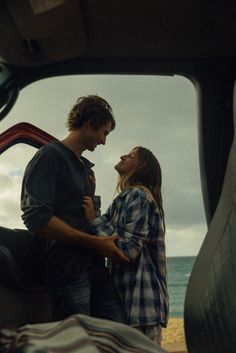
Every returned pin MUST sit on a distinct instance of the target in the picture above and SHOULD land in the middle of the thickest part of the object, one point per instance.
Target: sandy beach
(173, 336)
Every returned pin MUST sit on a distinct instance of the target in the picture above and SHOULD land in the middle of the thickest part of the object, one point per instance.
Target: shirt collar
(87, 162)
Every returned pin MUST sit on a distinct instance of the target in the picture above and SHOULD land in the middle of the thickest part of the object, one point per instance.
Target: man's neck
(72, 141)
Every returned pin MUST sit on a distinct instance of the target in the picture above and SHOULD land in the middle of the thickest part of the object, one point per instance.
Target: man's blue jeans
(89, 292)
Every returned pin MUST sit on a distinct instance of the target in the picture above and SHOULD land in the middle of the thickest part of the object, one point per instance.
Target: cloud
(5, 182)
(185, 241)
(183, 205)
(10, 214)
(13, 163)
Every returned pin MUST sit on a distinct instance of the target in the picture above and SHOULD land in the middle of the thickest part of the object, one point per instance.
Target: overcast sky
(156, 112)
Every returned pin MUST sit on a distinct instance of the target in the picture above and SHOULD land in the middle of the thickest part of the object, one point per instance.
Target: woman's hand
(89, 209)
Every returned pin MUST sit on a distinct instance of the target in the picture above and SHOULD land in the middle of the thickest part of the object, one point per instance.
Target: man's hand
(58, 230)
(105, 246)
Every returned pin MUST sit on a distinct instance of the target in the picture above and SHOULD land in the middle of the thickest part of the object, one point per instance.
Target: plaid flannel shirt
(142, 283)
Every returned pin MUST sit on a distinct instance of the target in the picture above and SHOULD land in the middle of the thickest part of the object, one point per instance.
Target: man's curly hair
(90, 108)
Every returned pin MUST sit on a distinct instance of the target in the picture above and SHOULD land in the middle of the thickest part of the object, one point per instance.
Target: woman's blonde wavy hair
(146, 174)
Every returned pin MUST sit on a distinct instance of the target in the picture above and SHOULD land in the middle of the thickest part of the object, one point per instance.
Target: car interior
(41, 39)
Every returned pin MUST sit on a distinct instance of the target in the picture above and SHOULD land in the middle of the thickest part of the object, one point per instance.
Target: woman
(137, 216)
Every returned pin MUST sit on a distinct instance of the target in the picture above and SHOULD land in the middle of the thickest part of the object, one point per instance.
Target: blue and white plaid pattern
(142, 283)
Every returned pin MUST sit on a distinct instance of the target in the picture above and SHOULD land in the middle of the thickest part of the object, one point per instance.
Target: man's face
(95, 137)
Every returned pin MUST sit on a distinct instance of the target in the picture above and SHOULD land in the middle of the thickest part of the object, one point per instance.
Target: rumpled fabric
(76, 334)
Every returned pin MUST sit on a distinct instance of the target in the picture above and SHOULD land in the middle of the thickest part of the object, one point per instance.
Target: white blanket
(76, 334)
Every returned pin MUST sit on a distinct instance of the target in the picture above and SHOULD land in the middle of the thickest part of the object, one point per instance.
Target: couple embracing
(58, 204)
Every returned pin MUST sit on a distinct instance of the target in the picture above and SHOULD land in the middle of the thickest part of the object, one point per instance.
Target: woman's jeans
(89, 292)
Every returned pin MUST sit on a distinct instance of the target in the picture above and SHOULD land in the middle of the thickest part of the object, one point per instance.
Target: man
(54, 185)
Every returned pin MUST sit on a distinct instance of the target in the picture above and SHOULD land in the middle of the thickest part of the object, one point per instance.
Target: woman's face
(127, 162)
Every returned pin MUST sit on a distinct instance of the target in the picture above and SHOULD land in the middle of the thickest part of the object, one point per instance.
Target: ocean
(178, 269)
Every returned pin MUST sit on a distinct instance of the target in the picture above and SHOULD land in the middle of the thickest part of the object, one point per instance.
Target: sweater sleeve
(38, 191)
